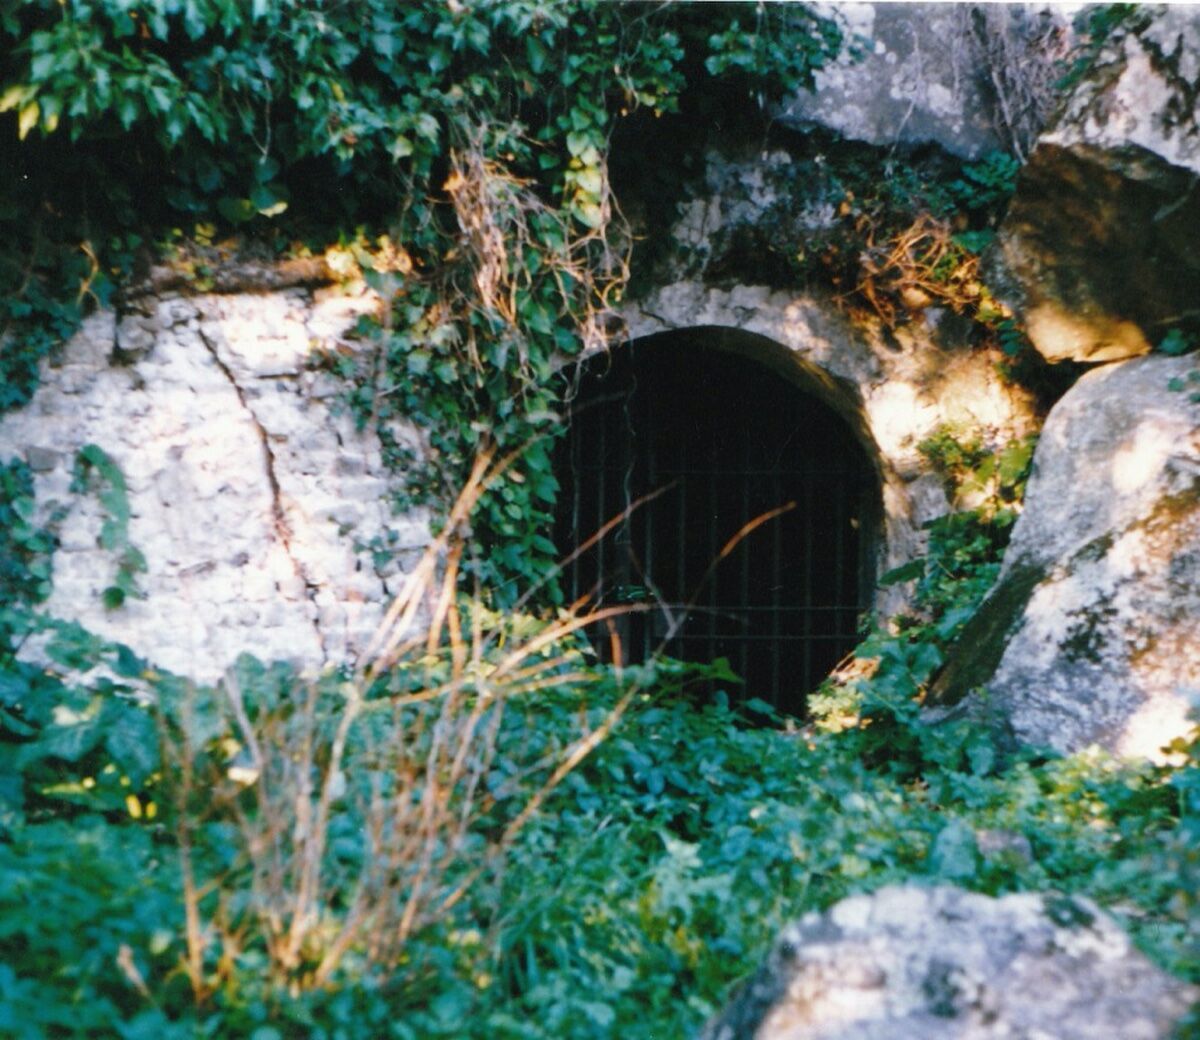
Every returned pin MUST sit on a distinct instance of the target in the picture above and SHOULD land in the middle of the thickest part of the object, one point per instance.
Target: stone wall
(251, 496)
(895, 387)
(256, 501)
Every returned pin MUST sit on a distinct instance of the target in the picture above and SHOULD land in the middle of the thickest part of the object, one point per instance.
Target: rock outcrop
(1099, 243)
(254, 502)
(912, 963)
(968, 79)
(1089, 635)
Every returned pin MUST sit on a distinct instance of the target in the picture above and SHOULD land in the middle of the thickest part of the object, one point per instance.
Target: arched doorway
(730, 435)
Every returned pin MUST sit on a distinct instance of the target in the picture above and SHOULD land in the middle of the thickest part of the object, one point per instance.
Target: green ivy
(654, 880)
(93, 462)
(297, 125)
(881, 704)
(26, 553)
(1097, 24)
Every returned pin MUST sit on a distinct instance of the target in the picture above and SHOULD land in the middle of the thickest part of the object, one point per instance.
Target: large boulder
(1089, 635)
(969, 78)
(912, 963)
(1098, 250)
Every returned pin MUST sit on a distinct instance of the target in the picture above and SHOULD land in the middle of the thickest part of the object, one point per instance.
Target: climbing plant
(26, 549)
(460, 149)
(877, 693)
(94, 466)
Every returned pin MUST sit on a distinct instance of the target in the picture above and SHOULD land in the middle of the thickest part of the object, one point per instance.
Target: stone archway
(894, 387)
(758, 537)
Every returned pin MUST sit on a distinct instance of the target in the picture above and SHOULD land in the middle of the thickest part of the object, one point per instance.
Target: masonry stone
(895, 388)
(250, 492)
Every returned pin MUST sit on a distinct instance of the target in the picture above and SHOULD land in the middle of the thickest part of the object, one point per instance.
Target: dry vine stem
(916, 268)
(496, 214)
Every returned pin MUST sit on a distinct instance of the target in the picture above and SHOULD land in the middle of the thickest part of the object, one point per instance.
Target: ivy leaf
(418, 362)
(74, 647)
(266, 202)
(13, 96)
(128, 665)
(1175, 343)
(132, 739)
(236, 211)
(14, 688)
(905, 572)
(588, 213)
(70, 742)
(41, 66)
(590, 181)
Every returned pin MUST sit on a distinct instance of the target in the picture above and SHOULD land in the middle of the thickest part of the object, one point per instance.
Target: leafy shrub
(655, 874)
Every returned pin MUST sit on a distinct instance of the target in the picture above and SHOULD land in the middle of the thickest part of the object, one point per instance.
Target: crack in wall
(282, 526)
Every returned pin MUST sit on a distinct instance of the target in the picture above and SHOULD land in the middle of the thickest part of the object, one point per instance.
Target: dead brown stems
(402, 747)
(918, 267)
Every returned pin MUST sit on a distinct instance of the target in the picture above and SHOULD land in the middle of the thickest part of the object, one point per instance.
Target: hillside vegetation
(477, 830)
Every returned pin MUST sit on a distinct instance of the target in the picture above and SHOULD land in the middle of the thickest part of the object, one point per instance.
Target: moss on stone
(977, 653)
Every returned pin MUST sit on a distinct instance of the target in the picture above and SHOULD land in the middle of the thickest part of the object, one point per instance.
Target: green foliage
(966, 545)
(987, 185)
(1173, 344)
(26, 552)
(655, 877)
(1176, 342)
(92, 464)
(66, 745)
(475, 135)
(877, 701)
(657, 872)
(775, 54)
(1099, 22)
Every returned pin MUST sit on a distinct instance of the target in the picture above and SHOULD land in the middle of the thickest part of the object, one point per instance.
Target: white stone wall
(252, 497)
(248, 492)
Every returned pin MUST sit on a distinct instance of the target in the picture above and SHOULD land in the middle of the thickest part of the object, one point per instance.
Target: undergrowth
(572, 850)
(654, 877)
(482, 833)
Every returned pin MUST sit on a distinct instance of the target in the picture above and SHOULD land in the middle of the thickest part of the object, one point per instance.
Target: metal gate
(720, 442)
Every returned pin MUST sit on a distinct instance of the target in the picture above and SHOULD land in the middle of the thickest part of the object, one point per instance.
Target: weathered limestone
(1090, 635)
(1099, 242)
(927, 73)
(912, 963)
(252, 500)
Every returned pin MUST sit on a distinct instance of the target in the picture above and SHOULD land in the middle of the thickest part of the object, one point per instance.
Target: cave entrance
(725, 427)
